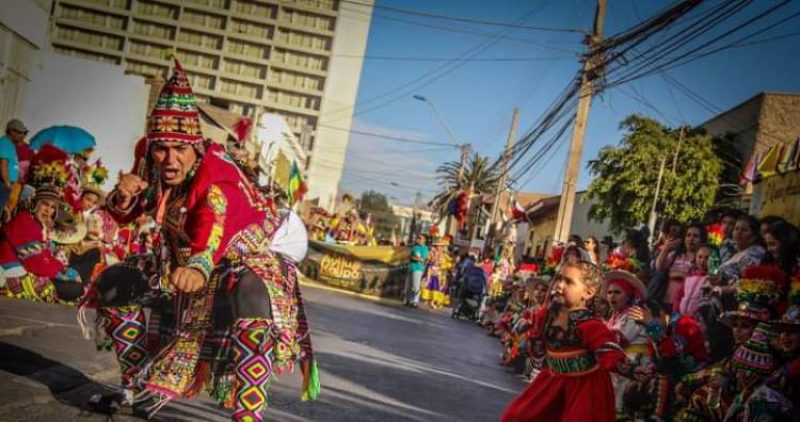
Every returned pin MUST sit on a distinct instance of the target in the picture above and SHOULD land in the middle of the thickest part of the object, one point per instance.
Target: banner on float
(376, 270)
(778, 195)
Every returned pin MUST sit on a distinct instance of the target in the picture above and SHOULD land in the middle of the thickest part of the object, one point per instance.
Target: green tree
(376, 204)
(625, 176)
(478, 172)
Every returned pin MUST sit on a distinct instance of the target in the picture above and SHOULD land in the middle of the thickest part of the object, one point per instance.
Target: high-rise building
(297, 58)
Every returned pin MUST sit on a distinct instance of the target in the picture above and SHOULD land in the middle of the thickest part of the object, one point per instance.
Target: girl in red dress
(579, 352)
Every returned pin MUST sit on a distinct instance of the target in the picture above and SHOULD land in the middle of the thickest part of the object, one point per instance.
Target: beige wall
(23, 33)
(759, 122)
(741, 122)
(341, 89)
(779, 120)
(582, 226)
(64, 91)
(541, 234)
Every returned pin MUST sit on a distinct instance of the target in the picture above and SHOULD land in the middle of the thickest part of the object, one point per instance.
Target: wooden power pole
(501, 183)
(590, 67)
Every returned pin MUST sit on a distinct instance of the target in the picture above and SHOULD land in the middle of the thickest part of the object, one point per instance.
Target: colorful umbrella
(69, 139)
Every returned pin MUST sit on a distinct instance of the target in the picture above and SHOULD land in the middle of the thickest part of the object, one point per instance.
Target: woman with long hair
(782, 242)
(676, 258)
(749, 249)
(593, 247)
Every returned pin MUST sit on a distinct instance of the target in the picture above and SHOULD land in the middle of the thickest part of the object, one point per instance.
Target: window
(244, 69)
(114, 4)
(203, 19)
(91, 17)
(67, 51)
(298, 59)
(296, 121)
(252, 29)
(201, 99)
(244, 48)
(250, 8)
(200, 39)
(89, 38)
(147, 49)
(200, 81)
(240, 88)
(217, 4)
(156, 10)
(144, 69)
(308, 20)
(297, 80)
(293, 100)
(153, 30)
(197, 59)
(317, 4)
(304, 40)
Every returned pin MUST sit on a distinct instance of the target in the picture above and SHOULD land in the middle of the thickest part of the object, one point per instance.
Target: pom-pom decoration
(619, 261)
(716, 233)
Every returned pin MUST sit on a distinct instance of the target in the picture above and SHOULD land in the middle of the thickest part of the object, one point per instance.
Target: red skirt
(569, 398)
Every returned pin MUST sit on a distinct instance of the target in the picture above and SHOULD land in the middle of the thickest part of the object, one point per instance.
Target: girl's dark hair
(787, 236)
(654, 307)
(772, 219)
(703, 237)
(755, 226)
(640, 243)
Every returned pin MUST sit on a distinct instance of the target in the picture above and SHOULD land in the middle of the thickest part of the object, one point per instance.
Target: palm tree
(478, 173)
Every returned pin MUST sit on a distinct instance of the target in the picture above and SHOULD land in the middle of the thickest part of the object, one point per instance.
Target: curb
(305, 281)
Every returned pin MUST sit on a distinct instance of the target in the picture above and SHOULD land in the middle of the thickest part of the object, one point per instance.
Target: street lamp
(464, 147)
(439, 117)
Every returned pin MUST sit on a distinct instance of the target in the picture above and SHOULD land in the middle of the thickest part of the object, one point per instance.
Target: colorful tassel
(314, 388)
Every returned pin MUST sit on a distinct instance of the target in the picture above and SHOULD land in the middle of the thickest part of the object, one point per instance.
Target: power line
(450, 29)
(454, 59)
(422, 81)
(667, 62)
(465, 19)
(388, 137)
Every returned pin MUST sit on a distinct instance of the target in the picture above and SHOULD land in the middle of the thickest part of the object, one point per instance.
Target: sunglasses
(22, 132)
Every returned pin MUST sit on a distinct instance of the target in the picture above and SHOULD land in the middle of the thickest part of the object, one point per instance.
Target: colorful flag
(297, 186)
(242, 129)
(789, 160)
(749, 172)
(517, 210)
(769, 164)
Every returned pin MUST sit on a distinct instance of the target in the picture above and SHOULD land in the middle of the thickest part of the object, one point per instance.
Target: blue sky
(477, 97)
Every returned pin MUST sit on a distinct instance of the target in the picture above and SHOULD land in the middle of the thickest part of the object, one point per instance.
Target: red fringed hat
(633, 287)
(175, 116)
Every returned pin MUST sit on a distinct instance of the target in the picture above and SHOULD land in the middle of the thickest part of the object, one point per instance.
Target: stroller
(470, 294)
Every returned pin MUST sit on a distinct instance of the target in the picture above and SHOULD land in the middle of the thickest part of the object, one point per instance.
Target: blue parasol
(69, 139)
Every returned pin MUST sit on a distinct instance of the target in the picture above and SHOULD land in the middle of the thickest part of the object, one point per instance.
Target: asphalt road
(378, 362)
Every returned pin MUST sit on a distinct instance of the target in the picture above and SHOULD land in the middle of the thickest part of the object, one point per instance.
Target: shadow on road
(62, 381)
(67, 385)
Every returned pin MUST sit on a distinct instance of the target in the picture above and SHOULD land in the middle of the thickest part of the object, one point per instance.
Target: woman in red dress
(579, 352)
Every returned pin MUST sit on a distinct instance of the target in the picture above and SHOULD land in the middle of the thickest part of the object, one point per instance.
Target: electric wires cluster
(688, 32)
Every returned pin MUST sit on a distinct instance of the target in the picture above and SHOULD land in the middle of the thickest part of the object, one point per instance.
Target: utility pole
(414, 221)
(678, 148)
(501, 183)
(591, 66)
(651, 224)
